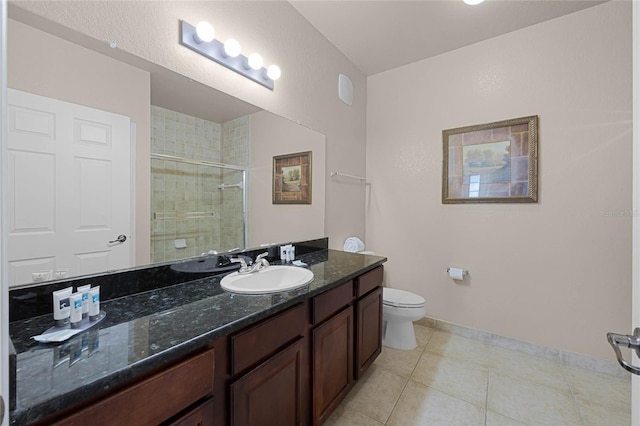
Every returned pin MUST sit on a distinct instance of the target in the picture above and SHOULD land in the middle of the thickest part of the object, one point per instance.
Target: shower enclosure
(199, 185)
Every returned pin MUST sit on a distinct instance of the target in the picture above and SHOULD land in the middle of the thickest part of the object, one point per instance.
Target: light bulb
(255, 61)
(232, 48)
(472, 2)
(204, 32)
(273, 72)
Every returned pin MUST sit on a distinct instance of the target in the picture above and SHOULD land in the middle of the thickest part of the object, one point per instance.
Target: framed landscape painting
(491, 163)
(292, 178)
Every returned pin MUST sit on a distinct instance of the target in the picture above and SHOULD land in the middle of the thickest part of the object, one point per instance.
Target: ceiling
(375, 35)
(381, 35)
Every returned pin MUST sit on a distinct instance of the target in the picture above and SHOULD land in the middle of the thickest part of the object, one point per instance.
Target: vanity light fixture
(473, 2)
(231, 48)
(204, 33)
(201, 39)
(254, 61)
(273, 72)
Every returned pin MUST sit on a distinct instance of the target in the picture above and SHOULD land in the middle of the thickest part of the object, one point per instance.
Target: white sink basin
(272, 279)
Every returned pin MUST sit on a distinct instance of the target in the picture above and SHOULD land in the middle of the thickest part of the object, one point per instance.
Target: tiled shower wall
(186, 201)
(236, 135)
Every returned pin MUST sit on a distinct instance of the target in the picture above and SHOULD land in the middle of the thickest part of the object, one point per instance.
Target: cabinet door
(332, 363)
(369, 330)
(270, 394)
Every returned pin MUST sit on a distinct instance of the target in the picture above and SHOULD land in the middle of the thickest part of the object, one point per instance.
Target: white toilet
(399, 309)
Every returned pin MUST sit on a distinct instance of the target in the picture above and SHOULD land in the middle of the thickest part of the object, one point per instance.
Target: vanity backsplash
(34, 301)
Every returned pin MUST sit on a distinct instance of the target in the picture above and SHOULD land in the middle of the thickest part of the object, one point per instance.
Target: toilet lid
(401, 298)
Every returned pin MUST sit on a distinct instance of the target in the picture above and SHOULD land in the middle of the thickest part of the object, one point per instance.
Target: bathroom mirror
(64, 66)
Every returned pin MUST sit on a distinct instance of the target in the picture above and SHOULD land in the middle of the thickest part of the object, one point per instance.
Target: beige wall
(270, 136)
(49, 66)
(306, 93)
(556, 273)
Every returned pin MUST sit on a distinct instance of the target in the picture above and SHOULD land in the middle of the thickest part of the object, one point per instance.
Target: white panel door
(635, 320)
(4, 289)
(69, 189)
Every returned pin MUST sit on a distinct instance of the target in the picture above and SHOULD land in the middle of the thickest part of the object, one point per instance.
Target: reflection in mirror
(179, 209)
(198, 184)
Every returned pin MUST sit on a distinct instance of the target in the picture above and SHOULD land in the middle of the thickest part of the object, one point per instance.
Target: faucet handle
(261, 262)
(241, 261)
(262, 255)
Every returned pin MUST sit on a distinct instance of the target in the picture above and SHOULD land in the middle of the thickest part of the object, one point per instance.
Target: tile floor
(453, 380)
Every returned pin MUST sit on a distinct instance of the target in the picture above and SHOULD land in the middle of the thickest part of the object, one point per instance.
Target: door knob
(628, 341)
(121, 239)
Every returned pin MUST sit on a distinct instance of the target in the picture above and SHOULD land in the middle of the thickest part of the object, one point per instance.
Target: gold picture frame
(491, 163)
(292, 178)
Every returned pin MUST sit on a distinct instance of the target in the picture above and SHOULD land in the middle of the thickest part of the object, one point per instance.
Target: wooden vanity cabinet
(179, 390)
(368, 331)
(332, 363)
(201, 415)
(332, 349)
(368, 292)
(270, 394)
(292, 368)
(268, 384)
(296, 367)
(262, 340)
(347, 342)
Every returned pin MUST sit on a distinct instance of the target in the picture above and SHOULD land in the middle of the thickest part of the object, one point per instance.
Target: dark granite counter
(146, 330)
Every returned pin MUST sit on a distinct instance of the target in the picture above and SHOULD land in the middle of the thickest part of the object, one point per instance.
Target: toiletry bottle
(84, 290)
(94, 303)
(61, 306)
(76, 309)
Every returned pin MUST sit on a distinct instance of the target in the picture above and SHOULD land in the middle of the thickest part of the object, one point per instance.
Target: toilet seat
(401, 299)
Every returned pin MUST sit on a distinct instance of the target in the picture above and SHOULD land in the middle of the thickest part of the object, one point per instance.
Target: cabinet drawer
(260, 341)
(155, 399)
(202, 415)
(330, 302)
(367, 282)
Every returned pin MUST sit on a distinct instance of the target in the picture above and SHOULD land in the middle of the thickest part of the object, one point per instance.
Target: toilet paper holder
(465, 272)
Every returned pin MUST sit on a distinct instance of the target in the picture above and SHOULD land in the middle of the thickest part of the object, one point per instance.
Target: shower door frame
(244, 170)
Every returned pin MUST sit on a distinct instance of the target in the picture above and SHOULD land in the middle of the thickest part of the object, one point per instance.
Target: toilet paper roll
(456, 273)
(180, 243)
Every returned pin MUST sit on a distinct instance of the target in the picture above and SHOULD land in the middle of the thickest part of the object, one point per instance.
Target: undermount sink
(272, 279)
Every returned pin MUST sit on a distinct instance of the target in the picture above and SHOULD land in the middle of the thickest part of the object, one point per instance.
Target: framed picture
(292, 178)
(491, 163)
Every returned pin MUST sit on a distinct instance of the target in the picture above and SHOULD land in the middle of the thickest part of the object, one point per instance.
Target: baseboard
(587, 362)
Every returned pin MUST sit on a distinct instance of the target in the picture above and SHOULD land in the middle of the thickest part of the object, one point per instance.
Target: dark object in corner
(208, 264)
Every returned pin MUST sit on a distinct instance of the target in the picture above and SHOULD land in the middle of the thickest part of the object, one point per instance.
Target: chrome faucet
(259, 264)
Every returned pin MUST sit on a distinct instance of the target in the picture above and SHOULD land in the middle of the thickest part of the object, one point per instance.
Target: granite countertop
(150, 329)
